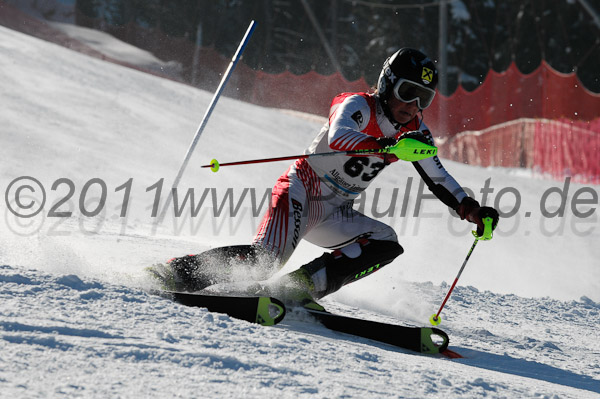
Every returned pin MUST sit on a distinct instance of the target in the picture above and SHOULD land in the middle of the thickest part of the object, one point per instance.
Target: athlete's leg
(292, 211)
(295, 208)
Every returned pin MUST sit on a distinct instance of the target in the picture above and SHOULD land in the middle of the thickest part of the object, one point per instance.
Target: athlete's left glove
(470, 210)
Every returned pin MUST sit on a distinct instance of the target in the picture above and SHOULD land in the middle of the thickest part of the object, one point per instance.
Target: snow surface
(76, 317)
(119, 50)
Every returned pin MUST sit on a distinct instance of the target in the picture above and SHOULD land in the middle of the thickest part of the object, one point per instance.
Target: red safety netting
(557, 149)
(510, 95)
(508, 145)
(562, 150)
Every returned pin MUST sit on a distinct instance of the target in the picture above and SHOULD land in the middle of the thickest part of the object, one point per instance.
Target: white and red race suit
(313, 199)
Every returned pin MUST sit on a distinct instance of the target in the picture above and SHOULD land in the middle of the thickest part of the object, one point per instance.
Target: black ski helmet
(407, 64)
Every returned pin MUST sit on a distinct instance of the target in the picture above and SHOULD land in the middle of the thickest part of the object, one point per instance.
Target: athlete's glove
(387, 142)
(470, 210)
(417, 135)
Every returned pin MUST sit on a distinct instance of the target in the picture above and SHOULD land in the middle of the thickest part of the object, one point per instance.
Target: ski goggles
(408, 91)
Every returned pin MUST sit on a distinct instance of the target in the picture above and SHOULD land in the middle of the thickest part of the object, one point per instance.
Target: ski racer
(313, 199)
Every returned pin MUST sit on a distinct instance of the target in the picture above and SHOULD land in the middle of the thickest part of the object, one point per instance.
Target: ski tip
(269, 311)
(433, 340)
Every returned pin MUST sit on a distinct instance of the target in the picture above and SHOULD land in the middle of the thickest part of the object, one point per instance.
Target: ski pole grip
(412, 150)
(487, 230)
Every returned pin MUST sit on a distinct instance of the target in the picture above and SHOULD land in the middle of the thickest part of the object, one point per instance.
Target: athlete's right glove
(417, 135)
(385, 142)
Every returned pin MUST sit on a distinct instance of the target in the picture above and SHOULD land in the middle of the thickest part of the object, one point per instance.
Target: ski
(419, 339)
(268, 311)
(262, 310)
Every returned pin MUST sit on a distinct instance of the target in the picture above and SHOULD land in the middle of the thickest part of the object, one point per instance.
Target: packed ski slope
(76, 318)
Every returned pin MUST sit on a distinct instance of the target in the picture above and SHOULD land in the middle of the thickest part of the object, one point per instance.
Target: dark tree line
(482, 34)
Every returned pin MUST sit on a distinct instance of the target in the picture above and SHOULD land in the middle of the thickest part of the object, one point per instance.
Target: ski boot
(163, 275)
(293, 289)
(301, 289)
(331, 271)
(193, 273)
(180, 274)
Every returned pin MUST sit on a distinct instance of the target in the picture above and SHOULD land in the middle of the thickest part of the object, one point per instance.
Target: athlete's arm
(438, 180)
(346, 122)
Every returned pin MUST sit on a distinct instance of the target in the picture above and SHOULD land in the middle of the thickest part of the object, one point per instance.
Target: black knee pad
(342, 270)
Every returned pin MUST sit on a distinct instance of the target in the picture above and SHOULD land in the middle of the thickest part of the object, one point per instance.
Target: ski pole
(407, 149)
(435, 319)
